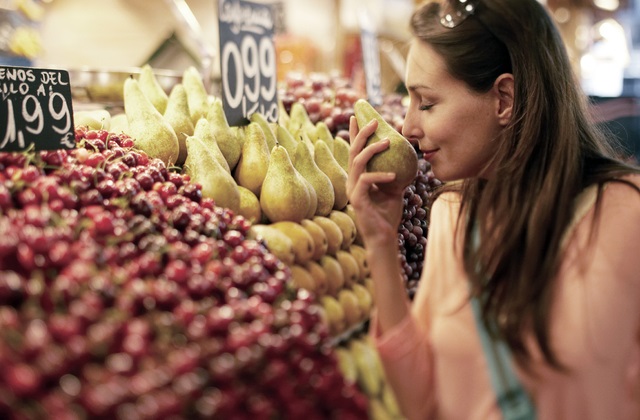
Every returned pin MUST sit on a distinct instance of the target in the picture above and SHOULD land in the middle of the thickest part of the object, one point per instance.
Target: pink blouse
(434, 360)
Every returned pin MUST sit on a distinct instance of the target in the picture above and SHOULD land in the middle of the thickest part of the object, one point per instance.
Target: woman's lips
(428, 154)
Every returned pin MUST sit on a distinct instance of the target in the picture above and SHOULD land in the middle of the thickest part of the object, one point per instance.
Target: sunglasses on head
(454, 12)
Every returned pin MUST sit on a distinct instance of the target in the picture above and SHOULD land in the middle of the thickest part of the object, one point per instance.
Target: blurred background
(102, 36)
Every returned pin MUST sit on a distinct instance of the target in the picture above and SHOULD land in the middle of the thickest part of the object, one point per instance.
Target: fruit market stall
(173, 266)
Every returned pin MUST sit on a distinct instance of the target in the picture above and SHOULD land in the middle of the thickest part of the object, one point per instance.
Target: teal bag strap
(513, 400)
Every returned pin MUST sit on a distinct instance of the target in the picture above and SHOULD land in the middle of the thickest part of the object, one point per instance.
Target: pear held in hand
(400, 158)
(150, 131)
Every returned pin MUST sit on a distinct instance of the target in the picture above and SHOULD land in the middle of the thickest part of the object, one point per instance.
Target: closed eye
(425, 107)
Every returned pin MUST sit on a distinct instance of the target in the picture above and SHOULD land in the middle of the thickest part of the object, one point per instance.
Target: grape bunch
(327, 98)
(126, 294)
(414, 227)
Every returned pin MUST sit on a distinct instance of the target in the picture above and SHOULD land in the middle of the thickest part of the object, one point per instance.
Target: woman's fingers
(358, 136)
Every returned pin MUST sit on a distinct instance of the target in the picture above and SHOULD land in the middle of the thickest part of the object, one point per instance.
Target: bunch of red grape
(414, 228)
(330, 98)
(126, 294)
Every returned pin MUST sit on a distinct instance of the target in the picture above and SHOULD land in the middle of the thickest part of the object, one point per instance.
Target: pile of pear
(287, 177)
(359, 363)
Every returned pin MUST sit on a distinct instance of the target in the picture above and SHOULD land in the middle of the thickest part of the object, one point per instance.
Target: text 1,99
(58, 115)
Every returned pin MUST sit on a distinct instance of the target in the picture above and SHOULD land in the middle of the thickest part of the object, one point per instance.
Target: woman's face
(457, 129)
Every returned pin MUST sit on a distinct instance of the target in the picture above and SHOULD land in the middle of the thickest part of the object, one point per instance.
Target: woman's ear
(503, 88)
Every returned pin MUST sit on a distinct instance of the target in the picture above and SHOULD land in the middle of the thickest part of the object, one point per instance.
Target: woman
(539, 231)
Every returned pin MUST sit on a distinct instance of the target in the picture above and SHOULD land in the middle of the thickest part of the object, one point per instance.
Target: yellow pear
(390, 402)
(227, 137)
(369, 377)
(284, 194)
(95, 119)
(197, 95)
(119, 123)
(350, 267)
(283, 115)
(301, 278)
(150, 131)
(364, 298)
(269, 135)
(299, 120)
(204, 169)
(249, 205)
(286, 139)
(368, 283)
(346, 364)
(400, 157)
(360, 254)
(152, 89)
(254, 160)
(305, 164)
(352, 214)
(322, 133)
(346, 225)
(319, 277)
(313, 198)
(341, 152)
(338, 176)
(334, 313)
(276, 241)
(177, 113)
(319, 238)
(378, 410)
(203, 131)
(333, 232)
(303, 244)
(335, 275)
(350, 306)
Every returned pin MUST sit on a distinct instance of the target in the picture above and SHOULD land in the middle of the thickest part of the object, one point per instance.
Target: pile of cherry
(125, 294)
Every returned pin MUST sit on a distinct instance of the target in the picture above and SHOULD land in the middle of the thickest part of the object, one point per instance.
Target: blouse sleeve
(406, 350)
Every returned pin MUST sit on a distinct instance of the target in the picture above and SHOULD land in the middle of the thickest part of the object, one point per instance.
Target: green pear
(203, 132)
(286, 139)
(150, 131)
(204, 169)
(254, 159)
(95, 119)
(341, 152)
(227, 137)
(249, 205)
(322, 133)
(400, 157)
(152, 89)
(177, 113)
(196, 93)
(269, 135)
(283, 115)
(284, 196)
(119, 123)
(299, 120)
(313, 198)
(338, 176)
(305, 164)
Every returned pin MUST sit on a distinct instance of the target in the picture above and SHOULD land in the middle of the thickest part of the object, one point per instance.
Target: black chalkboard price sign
(35, 109)
(247, 60)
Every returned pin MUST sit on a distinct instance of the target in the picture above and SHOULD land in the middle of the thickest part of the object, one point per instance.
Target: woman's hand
(378, 213)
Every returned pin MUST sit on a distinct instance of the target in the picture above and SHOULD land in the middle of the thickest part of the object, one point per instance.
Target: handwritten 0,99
(35, 109)
(248, 60)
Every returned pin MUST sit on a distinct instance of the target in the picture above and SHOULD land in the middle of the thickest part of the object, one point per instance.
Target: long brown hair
(549, 153)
